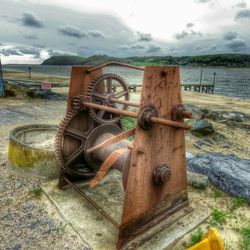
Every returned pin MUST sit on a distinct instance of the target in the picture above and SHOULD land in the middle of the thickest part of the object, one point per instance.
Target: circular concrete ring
(29, 155)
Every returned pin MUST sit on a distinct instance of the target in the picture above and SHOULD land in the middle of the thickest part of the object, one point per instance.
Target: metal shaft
(123, 163)
(153, 119)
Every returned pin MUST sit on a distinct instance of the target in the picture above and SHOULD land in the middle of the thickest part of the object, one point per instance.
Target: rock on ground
(197, 180)
(203, 127)
(229, 172)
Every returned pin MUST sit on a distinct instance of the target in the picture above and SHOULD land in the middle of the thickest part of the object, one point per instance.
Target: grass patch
(61, 228)
(128, 123)
(245, 237)
(217, 194)
(37, 192)
(196, 237)
(218, 217)
(237, 202)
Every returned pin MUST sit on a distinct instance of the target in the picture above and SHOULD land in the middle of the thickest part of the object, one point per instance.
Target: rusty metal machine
(90, 140)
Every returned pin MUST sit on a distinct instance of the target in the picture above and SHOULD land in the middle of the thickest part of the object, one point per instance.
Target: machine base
(98, 233)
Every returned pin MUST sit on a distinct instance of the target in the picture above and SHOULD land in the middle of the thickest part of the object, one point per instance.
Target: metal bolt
(161, 174)
(179, 113)
(140, 151)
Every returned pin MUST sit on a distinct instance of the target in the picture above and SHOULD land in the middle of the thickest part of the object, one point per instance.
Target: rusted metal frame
(115, 64)
(112, 140)
(91, 202)
(135, 115)
(159, 225)
(151, 219)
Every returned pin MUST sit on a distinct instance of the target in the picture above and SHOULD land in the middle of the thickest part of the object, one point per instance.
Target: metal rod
(135, 115)
(128, 103)
(91, 202)
(109, 109)
(117, 64)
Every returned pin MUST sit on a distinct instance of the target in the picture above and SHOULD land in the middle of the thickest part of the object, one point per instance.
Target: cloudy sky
(33, 30)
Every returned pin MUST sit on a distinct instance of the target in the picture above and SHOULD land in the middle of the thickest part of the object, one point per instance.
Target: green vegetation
(237, 202)
(64, 60)
(228, 60)
(37, 192)
(61, 228)
(245, 237)
(196, 237)
(217, 193)
(218, 217)
(128, 123)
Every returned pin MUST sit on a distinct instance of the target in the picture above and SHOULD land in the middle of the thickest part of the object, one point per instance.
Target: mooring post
(200, 81)
(214, 82)
(1, 80)
(29, 72)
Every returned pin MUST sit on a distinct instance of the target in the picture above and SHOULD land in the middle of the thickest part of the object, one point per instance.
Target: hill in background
(229, 60)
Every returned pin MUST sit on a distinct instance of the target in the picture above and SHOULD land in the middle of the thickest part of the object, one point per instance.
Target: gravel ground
(29, 221)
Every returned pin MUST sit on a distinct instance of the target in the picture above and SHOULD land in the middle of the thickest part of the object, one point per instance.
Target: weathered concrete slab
(95, 230)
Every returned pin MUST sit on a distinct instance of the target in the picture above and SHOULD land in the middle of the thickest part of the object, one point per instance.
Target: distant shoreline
(220, 60)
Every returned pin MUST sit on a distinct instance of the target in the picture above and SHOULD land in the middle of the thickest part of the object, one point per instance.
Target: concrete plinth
(96, 231)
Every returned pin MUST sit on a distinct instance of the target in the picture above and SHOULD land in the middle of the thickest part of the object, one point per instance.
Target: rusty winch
(90, 140)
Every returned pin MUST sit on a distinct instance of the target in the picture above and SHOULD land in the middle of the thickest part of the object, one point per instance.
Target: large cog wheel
(70, 142)
(100, 90)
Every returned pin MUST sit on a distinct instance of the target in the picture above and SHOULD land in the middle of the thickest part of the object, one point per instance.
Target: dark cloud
(39, 45)
(181, 35)
(237, 45)
(137, 46)
(30, 20)
(10, 52)
(53, 52)
(144, 37)
(29, 51)
(243, 14)
(202, 1)
(96, 34)
(184, 34)
(72, 31)
(152, 48)
(20, 51)
(242, 5)
(213, 47)
(132, 46)
(30, 36)
(190, 25)
(230, 35)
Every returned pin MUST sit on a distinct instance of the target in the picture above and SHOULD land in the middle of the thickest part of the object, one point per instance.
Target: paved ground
(28, 221)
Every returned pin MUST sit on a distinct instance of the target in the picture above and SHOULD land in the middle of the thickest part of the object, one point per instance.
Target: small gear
(70, 142)
(100, 91)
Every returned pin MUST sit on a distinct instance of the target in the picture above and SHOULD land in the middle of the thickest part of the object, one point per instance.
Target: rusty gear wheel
(70, 142)
(101, 90)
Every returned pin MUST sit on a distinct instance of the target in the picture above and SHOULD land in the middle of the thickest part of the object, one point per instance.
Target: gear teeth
(89, 93)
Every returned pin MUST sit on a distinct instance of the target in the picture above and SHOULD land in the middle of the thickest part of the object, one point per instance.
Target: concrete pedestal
(96, 231)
